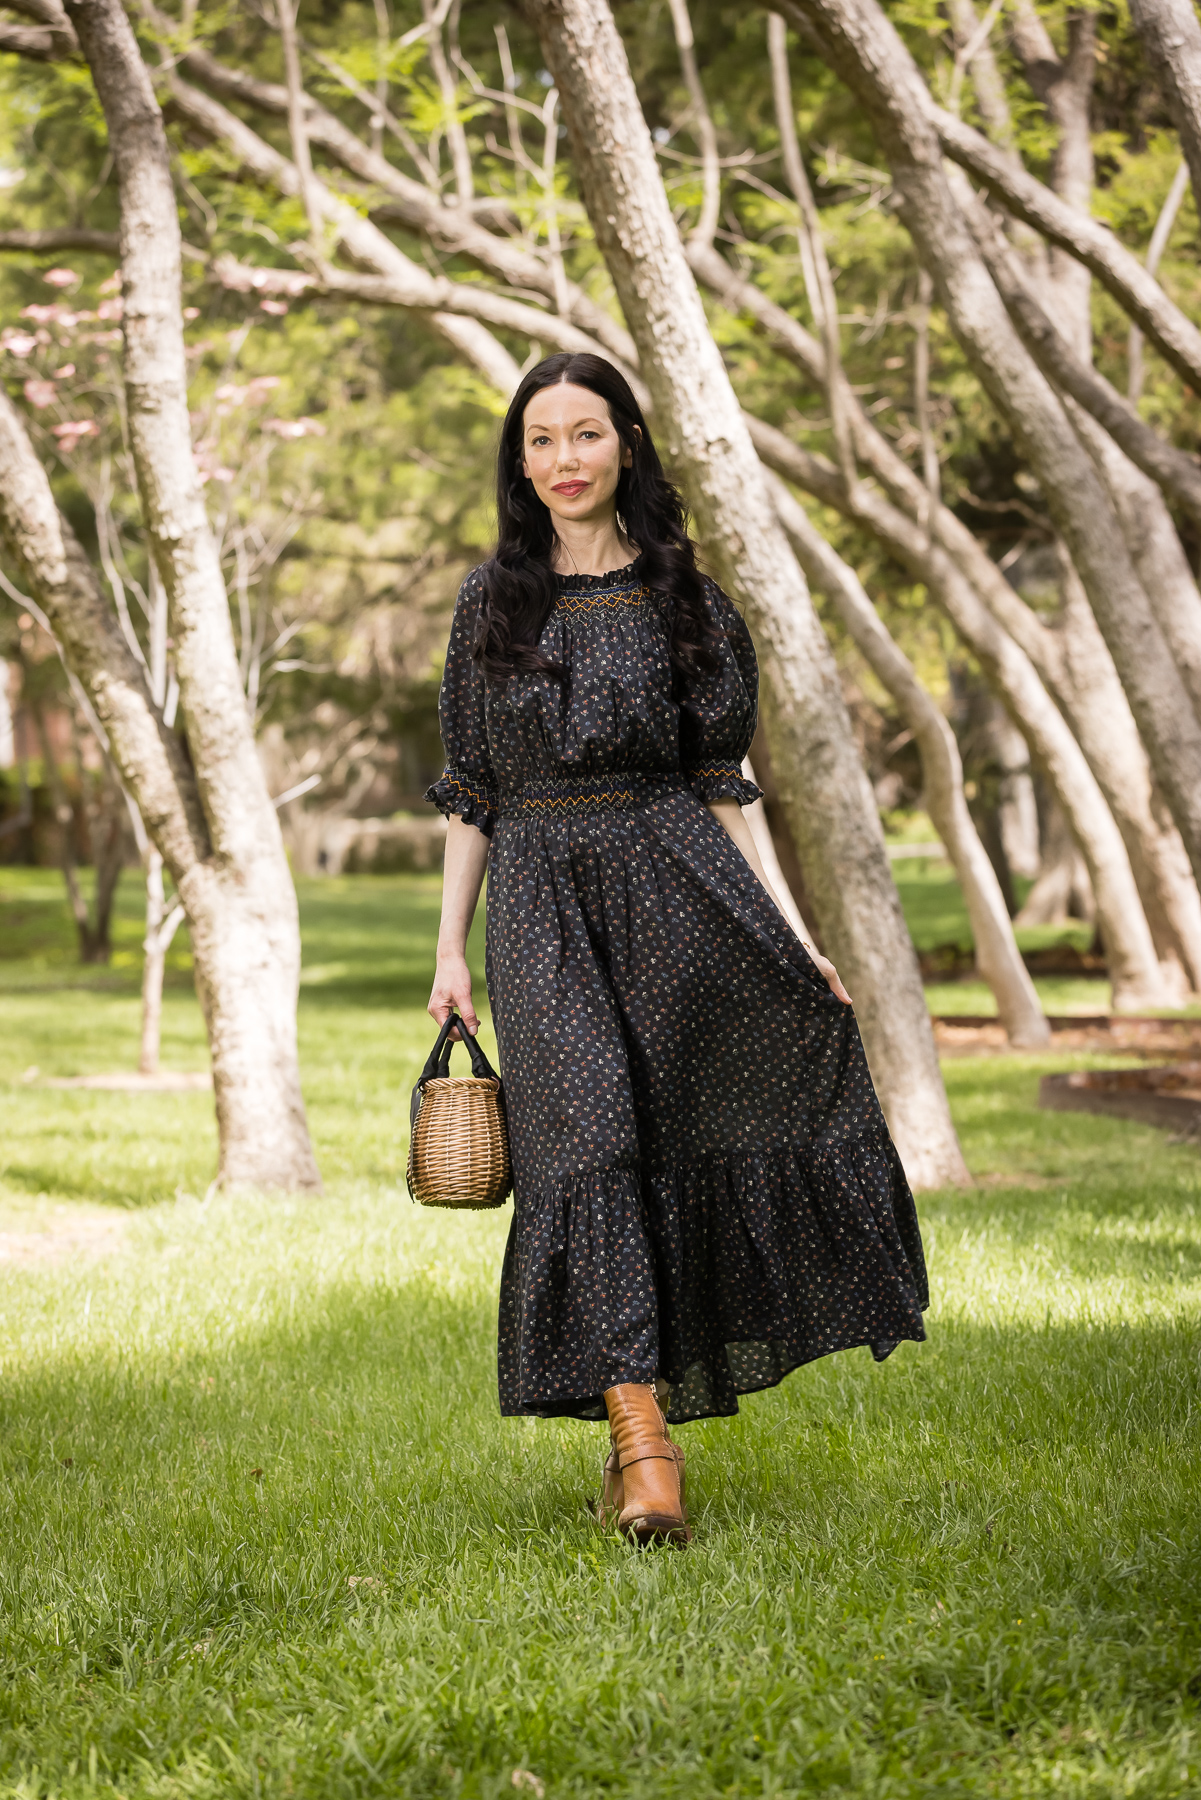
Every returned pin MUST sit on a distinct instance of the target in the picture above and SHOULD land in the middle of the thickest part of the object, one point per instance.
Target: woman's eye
(590, 434)
(539, 441)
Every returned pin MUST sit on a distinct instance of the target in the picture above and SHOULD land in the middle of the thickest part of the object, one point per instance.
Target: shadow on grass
(320, 1529)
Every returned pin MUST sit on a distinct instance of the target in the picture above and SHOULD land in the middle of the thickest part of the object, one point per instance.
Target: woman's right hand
(452, 993)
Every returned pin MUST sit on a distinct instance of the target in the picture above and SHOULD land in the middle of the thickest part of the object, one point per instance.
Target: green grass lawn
(264, 1534)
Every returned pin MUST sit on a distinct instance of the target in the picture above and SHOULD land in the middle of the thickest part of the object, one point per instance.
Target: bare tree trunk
(829, 801)
(1095, 703)
(865, 49)
(1062, 891)
(1133, 964)
(1174, 335)
(997, 953)
(108, 827)
(1155, 547)
(240, 900)
(1164, 226)
(1172, 39)
(64, 819)
(1097, 707)
(1017, 808)
(1064, 84)
(161, 926)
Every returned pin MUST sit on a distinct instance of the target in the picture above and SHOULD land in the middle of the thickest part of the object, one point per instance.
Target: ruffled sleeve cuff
(468, 796)
(717, 780)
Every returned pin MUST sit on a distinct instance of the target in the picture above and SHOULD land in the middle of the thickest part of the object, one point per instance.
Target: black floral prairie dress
(705, 1189)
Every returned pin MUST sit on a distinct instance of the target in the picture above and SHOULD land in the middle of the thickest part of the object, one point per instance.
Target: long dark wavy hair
(519, 582)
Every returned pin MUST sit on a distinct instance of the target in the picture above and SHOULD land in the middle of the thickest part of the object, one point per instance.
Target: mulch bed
(965, 1034)
(1168, 1097)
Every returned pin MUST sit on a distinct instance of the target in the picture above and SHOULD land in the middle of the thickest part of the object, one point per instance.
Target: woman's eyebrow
(574, 426)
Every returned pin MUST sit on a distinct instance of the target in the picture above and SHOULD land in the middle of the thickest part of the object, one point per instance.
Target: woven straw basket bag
(458, 1137)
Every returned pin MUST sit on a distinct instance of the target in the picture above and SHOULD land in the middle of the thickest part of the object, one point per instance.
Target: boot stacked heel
(642, 1482)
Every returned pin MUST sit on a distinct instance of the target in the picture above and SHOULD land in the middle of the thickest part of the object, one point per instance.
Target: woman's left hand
(831, 974)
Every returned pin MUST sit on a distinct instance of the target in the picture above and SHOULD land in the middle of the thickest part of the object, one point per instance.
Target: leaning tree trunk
(1133, 965)
(68, 862)
(1171, 37)
(161, 927)
(997, 955)
(829, 802)
(1087, 683)
(240, 901)
(861, 44)
(1101, 718)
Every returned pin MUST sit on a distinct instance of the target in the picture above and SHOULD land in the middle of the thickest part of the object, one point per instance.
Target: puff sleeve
(468, 785)
(719, 711)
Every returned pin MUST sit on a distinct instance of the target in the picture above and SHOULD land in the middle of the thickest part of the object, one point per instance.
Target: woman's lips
(570, 488)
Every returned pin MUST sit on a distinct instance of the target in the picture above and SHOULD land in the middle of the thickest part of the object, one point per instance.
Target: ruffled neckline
(612, 578)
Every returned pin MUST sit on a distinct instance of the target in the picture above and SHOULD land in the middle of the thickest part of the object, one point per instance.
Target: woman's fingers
(452, 993)
(833, 977)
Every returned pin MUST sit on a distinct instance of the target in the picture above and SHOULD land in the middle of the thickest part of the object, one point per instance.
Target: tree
(863, 46)
(816, 763)
(216, 828)
(477, 204)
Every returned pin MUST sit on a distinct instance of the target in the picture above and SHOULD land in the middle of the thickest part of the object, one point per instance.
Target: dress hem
(803, 1252)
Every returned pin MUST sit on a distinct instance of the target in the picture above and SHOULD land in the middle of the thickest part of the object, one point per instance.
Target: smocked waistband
(623, 789)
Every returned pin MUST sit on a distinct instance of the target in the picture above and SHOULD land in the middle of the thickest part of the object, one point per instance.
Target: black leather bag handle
(437, 1065)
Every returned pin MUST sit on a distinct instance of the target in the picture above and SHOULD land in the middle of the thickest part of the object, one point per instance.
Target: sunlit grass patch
(263, 1532)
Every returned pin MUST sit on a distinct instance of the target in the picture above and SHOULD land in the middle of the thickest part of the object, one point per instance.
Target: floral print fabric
(705, 1189)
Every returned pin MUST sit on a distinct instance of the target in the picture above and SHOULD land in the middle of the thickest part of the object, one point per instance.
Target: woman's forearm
(462, 878)
(729, 816)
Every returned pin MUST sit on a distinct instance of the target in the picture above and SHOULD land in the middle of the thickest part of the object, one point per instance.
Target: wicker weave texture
(459, 1150)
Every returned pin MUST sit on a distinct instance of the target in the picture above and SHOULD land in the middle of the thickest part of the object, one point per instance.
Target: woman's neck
(588, 547)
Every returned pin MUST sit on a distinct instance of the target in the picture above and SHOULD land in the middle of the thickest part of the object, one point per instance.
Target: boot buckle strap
(648, 1452)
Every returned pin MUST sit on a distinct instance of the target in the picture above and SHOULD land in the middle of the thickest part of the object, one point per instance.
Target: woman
(706, 1194)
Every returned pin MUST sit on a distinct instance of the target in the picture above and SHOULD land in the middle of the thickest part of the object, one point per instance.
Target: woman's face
(572, 453)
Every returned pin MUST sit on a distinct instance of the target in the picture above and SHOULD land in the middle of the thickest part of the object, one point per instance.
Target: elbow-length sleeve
(468, 785)
(719, 712)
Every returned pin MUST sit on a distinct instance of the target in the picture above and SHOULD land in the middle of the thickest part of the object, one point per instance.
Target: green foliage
(265, 1534)
(395, 493)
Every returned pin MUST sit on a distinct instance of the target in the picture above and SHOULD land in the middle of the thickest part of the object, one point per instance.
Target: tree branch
(706, 133)
(1177, 473)
(823, 302)
(48, 560)
(1117, 269)
(1155, 249)
(942, 771)
(453, 230)
(1171, 37)
(65, 237)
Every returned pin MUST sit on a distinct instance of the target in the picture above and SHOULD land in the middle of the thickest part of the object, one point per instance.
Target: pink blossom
(112, 285)
(17, 343)
(110, 309)
(294, 428)
(273, 306)
(252, 393)
(71, 431)
(191, 312)
(61, 278)
(221, 474)
(67, 369)
(41, 393)
(43, 314)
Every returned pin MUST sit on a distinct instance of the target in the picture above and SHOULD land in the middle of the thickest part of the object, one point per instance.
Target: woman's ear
(627, 461)
(525, 469)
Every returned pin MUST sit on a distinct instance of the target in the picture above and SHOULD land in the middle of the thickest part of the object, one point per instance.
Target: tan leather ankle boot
(643, 1476)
